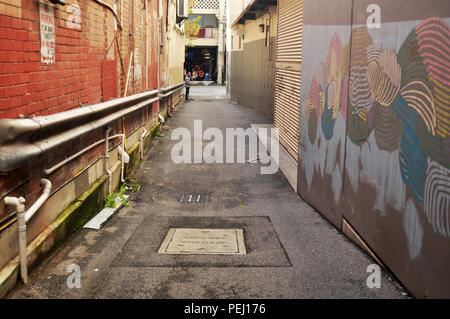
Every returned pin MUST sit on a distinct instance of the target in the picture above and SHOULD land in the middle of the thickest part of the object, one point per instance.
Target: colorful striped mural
(375, 133)
(404, 98)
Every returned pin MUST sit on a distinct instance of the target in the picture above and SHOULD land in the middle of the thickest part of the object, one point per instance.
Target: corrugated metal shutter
(287, 82)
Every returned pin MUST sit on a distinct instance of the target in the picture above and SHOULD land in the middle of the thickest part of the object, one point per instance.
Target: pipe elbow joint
(47, 185)
(124, 155)
(18, 202)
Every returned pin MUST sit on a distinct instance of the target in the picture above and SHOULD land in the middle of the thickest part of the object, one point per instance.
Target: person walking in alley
(187, 81)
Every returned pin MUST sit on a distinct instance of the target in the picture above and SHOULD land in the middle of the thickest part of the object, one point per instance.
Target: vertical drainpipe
(133, 46)
(118, 48)
(22, 233)
(168, 56)
(121, 44)
(228, 46)
(160, 16)
(141, 144)
(107, 171)
(146, 54)
(19, 203)
(146, 46)
(22, 218)
(220, 49)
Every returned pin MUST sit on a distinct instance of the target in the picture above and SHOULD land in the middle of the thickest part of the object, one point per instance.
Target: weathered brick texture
(90, 67)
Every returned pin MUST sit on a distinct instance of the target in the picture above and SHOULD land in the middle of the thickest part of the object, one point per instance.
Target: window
(207, 20)
(210, 21)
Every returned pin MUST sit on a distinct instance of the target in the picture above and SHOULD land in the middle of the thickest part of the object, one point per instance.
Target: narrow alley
(292, 252)
(224, 149)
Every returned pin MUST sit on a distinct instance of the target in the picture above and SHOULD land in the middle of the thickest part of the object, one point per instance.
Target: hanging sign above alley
(47, 27)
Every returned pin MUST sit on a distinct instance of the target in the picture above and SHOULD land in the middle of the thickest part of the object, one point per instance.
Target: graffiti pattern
(437, 199)
(413, 229)
(402, 97)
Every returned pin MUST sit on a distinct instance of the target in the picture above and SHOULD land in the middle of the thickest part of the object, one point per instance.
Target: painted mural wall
(375, 130)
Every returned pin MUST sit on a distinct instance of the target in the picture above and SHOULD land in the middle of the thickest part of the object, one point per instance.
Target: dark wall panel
(252, 76)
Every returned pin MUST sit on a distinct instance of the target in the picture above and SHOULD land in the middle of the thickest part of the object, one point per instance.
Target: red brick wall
(29, 88)
(109, 79)
(153, 49)
(87, 71)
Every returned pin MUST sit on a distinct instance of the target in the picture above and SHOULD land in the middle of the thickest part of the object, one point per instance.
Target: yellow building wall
(176, 47)
(251, 29)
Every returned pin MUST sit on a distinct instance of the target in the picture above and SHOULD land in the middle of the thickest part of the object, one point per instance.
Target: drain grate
(194, 198)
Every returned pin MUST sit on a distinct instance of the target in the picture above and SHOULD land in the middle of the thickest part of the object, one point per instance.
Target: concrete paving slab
(292, 251)
(203, 241)
(287, 164)
(209, 92)
(262, 246)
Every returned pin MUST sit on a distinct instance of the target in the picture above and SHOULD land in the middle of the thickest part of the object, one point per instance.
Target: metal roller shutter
(288, 65)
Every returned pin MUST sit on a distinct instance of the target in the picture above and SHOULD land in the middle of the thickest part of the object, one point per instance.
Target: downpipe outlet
(161, 121)
(19, 204)
(141, 142)
(125, 158)
(107, 171)
(22, 218)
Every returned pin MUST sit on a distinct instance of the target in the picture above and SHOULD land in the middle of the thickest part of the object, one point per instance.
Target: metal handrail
(15, 129)
(177, 88)
(16, 155)
(171, 88)
(15, 150)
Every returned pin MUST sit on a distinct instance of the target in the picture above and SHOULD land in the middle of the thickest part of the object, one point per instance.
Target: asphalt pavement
(291, 250)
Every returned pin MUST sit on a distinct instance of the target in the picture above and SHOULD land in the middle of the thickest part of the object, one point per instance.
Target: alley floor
(292, 252)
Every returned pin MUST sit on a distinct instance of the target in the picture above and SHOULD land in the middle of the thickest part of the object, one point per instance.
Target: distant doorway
(202, 63)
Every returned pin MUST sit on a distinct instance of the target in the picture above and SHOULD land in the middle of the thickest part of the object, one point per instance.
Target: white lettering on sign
(47, 27)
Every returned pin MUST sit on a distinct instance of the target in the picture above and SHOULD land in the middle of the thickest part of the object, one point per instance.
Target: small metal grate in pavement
(194, 198)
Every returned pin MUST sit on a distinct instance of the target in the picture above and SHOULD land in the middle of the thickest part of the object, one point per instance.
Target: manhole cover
(203, 241)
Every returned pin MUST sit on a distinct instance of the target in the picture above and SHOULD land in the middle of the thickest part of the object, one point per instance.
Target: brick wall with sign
(90, 66)
(84, 35)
